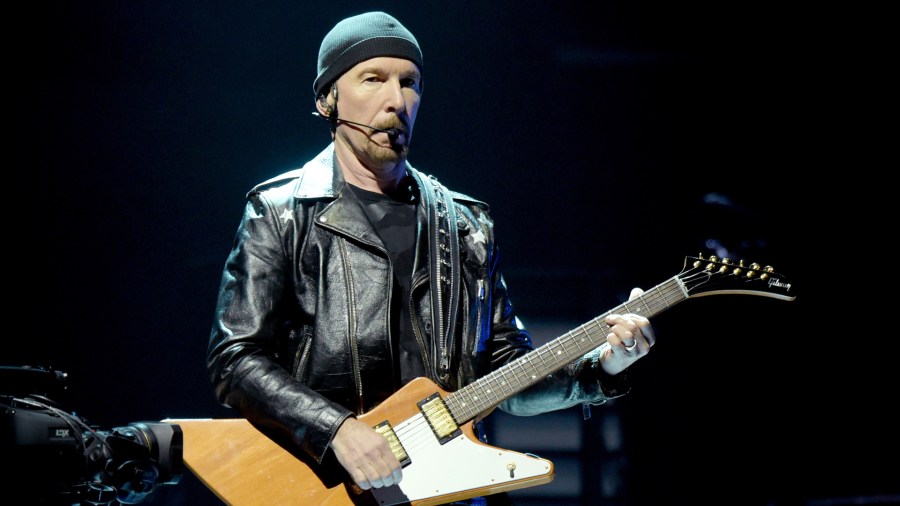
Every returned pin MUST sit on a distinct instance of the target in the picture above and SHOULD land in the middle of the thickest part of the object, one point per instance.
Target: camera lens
(164, 443)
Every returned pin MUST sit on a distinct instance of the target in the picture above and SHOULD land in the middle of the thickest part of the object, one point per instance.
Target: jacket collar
(320, 177)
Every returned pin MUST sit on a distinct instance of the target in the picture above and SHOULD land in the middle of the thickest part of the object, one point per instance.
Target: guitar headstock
(715, 276)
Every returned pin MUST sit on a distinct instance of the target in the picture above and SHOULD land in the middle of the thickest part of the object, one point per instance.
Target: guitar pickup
(387, 431)
(439, 418)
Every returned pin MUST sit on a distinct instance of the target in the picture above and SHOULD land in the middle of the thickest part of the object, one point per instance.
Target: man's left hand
(630, 338)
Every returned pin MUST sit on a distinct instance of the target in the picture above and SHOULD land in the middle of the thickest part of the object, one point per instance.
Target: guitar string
(540, 354)
(412, 435)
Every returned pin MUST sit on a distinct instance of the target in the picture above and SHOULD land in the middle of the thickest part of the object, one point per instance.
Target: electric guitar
(431, 430)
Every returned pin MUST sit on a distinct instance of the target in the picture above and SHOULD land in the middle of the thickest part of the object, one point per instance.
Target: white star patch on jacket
(478, 237)
(286, 215)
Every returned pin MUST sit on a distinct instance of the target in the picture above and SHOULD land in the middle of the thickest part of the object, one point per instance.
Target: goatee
(394, 154)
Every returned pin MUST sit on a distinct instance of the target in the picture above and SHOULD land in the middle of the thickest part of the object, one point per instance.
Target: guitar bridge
(439, 418)
(385, 429)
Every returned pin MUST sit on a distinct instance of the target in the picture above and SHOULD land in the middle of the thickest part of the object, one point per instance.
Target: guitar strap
(444, 268)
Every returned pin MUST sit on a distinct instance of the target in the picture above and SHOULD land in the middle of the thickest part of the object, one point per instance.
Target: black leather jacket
(300, 339)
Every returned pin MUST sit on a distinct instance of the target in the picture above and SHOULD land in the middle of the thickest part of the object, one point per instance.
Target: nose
(395, 101)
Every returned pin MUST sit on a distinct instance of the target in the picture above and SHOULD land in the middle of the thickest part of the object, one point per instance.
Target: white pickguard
(456, 466)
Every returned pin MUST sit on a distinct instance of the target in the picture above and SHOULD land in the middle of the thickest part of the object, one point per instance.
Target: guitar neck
(516, 376)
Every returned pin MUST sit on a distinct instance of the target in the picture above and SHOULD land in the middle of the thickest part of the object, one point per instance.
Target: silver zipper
(351, 302)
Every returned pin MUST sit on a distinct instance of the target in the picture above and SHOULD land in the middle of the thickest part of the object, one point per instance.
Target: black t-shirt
(394, 218)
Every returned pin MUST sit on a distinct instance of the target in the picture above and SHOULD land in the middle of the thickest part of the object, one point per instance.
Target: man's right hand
(366, 455)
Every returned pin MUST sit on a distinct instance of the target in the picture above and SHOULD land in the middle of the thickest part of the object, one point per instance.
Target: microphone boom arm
(393, 133)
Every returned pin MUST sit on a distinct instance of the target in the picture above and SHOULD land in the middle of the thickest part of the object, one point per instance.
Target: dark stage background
(610, 140)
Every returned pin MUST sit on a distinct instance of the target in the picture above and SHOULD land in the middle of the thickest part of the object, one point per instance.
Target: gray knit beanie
(359, 38)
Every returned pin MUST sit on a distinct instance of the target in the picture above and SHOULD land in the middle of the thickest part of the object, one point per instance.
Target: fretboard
(534, 366)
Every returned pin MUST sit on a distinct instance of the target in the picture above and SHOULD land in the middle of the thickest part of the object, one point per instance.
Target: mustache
(397, 124)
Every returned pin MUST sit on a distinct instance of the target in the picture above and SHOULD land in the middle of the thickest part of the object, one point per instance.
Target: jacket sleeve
(242, 360)
(583, 381)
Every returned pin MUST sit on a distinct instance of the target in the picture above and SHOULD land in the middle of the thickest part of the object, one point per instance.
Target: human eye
(410, 82)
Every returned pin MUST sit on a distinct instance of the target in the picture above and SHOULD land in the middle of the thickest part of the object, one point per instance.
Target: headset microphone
(393, 133)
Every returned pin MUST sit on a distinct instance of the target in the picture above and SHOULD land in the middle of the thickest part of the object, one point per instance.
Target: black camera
(56, 458)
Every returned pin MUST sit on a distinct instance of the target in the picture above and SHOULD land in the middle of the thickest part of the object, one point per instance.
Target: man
(355, 274)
